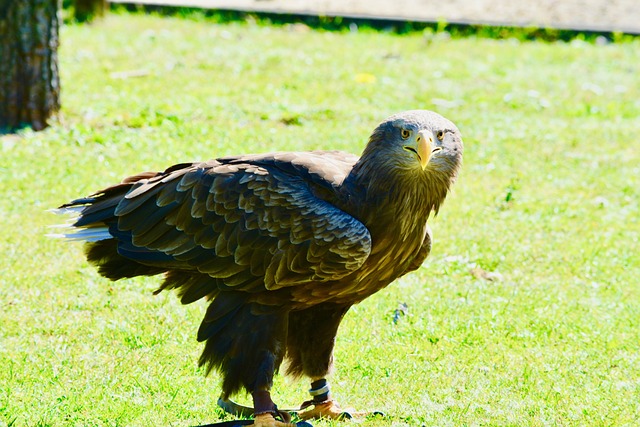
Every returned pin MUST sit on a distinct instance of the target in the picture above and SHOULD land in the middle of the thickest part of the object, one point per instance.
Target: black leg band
(320, 391)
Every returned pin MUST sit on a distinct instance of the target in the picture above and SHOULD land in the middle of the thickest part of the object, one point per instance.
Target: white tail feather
(68, 231)
(92, 234)
(70, 210)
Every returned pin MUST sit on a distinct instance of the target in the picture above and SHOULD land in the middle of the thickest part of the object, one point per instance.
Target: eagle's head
(417, 144)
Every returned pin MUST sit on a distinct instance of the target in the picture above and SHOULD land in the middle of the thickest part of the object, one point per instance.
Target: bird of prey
(280, 244)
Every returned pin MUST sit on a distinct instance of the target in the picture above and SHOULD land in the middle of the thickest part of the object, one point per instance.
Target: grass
(547, 203)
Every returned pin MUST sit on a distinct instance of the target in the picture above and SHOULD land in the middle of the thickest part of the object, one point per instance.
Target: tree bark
(29, 80)
(87, 10)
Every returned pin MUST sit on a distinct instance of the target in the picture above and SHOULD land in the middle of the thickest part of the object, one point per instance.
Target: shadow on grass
(339, 23)
(9, 131)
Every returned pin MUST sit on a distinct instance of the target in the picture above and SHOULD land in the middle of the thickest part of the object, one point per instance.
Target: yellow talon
(329, 410)
(267, 420)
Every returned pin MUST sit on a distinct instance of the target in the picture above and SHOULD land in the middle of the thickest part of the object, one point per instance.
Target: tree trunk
(86, 10)
(29, 81)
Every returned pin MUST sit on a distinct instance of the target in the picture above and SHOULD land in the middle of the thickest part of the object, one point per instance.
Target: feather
(93, 234)
(67, 210)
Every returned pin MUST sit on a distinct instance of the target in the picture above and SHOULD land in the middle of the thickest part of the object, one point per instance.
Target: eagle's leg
(259, 382)
(310, 345)
(323, 405)
(245, 343)
(267, 356)
(266, 413)
(326, 407)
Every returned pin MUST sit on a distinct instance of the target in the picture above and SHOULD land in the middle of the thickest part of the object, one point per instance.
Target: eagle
(281, 245)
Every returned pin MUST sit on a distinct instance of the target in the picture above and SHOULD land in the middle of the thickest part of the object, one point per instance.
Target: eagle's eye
(404, 133)
(440, 135)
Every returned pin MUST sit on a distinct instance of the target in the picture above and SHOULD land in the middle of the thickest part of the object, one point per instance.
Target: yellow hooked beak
(424, 143)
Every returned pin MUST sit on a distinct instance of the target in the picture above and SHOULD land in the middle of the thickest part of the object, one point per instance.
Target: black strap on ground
(239, 423)
(232, 423)
(234, 408)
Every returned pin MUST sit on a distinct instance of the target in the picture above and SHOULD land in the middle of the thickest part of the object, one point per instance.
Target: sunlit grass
(547, 202)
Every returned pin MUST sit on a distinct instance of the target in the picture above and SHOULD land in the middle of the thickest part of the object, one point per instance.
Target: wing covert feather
(239, 222)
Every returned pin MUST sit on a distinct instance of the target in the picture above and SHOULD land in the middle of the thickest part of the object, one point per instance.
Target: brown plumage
(282, 244)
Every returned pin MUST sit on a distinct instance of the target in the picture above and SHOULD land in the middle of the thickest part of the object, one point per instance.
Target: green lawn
(548, 202)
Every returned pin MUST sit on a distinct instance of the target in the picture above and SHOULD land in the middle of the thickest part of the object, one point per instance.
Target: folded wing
(250, 225)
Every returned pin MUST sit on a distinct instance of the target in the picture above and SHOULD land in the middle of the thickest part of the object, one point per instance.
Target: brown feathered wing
(251, 223)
